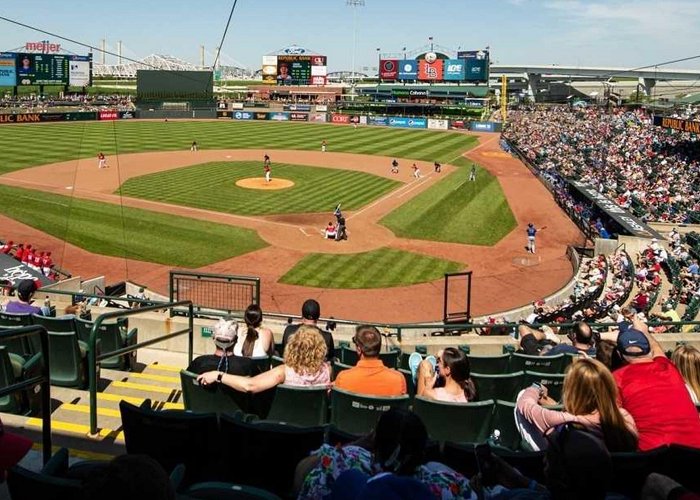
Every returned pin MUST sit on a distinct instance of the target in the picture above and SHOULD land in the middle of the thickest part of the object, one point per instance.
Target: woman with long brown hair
(589, 397)
(453, 369)
(257, 341)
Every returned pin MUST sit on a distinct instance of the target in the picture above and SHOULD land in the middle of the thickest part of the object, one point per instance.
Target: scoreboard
(18, 69)
(295, 69)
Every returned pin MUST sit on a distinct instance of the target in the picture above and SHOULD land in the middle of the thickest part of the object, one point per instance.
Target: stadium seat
(337, 368)
(112, 336)
(68, 360)
(276, 361)
(46, 485)
(553, 381)
(543, 364)
(214, 398)
(459, 422)
(490, 365)
(630, 470)
(403, 356)
(410, 383)
(226, 491)
(25, 346)
(173, 437)
(13, 369)
(390, 358)
(505, 386)
(303, 406)
(677, 463)
(259, 365)
(504, 422)
(265, 454)
(357, 414)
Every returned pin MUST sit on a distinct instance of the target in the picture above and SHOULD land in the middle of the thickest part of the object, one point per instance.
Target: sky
(624, 33)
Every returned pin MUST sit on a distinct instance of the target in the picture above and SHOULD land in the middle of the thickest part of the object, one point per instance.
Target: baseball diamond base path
(505, 275)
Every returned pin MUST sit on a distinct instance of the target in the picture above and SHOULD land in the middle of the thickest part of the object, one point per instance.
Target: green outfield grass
(381, 268)
(128, 232)
(28, 145)
(213, 186)
(456, 210)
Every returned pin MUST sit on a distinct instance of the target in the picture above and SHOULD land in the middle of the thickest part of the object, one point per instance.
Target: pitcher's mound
(259, 183)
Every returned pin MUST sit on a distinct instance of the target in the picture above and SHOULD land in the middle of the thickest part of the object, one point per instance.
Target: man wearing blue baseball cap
(653, 391)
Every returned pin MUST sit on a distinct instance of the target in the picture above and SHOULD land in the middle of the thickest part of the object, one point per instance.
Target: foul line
(302, 230)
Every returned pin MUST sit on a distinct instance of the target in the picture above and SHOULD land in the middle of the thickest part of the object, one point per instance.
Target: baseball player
(268, 172)
(394, 167)
(472, 174)
(101, 160)
(266, 160)
(324, 144)
(531, 232)
(416, 171)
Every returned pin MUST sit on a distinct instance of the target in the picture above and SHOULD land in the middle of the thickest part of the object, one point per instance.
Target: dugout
(175, 94)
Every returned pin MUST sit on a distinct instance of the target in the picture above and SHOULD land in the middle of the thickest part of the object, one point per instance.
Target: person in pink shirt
(590, 399)
(453, 368)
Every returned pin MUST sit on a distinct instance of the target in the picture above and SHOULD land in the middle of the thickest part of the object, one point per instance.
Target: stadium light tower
(354, 4)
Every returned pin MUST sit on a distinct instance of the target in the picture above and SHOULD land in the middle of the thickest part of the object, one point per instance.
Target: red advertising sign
(340, 118)
(389, 69)
(318, 60)
(108, 115)
(318, 80)
(428, 71)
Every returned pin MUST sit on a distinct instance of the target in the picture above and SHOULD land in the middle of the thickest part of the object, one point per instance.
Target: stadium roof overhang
(591, 72)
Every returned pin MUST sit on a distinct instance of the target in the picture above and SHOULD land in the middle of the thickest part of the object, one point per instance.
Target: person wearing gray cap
(25, 290)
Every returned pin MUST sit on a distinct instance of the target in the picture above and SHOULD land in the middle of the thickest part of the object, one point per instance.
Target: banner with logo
(692, 126)
(336, 118)
(236, 105)
(8, 73)
(269, 69)
(14, 271)
(436, 124)
(404, 122)
(108, 114)
(126, 115)
(363, 120)
(475, 103)
(299, 117)
(79, 71)
(242, 115)
(454, 69)
(430, 71)
(388, 69)
(382, 121)
(319, 70)
(321, 107)
(318, 80)
(280, 117)
(321, 118)
(476, 70)
(260, 116)
(318, 61)
(297, 107)
(408, 70)
(485, 126)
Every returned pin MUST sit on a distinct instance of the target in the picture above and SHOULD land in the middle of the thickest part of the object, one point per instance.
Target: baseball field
(159, 205)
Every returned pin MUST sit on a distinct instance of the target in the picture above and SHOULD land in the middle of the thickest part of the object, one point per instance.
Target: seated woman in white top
(257, 342)
(453, 368)
(304, 365)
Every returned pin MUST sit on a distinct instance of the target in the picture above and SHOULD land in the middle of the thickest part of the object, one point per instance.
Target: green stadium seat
(543, 364)
(489, 364)
(410, 383)
(25, 346)
(14, 369)
(112, 336)
(68, 361)
(214, 490)
(403, 357)
(357, 414)
(553, 381)
(460, 422)
(24, 484)
(276, 361)
(303, 406)
(348, 356)
(337, 368)
(504, 423)
(214, 398)
(498, 386)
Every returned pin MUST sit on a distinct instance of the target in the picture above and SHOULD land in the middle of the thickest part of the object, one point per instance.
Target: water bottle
(495, 438)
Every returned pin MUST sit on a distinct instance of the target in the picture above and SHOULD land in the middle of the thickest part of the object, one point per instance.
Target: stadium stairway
(157, 377)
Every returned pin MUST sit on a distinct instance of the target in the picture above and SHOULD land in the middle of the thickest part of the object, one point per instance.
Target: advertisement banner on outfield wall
(8, 71)
(336, 118)
(299, 117)
(126, 115)
(438, 124)
(408, 70)
(108, 114)
(279, 117)
(297, 107)
(363, 120)
(46, 117)
(260, 116)
(404, 122)
(79, 71)
(389, 69)
(485, 126)
(321, 107)
(236, 105)
(321, 118)
(454, 69)
(382, 121)
(242, 115)
(430, 71)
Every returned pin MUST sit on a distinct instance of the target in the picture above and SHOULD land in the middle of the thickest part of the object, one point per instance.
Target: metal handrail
(44, 380)
(94, 359)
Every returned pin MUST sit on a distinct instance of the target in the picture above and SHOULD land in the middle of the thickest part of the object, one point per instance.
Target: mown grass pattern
(456, 210)
(129, 232)
(212, 186)
(41, 144)
(382, 268)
